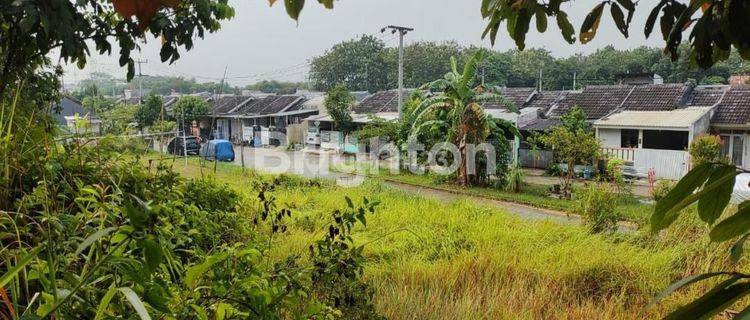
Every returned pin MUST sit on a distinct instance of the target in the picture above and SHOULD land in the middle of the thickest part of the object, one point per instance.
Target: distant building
(739, 79)
(639, 78)
(69, 109)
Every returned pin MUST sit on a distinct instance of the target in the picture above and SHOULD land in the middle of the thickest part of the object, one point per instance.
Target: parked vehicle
(177, 146)
(218, 150)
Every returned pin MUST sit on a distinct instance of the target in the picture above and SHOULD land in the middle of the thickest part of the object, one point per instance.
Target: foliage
(339, 263)
(150, 111)
(358, 64)
(710, 185)
(153, 243)
(189, 109)
(97, 104)
(163, 126)
(661, 189)
(162, 85)
(120, 119)
(596, 204)
(516, 175)
(456, 108)
(339, 103)
(32, 30)
(278, 87)
(571, 148)
(713, 32)
(706, 149)
(614, 174)
(513, 68)
(575, 120)
(378, 128)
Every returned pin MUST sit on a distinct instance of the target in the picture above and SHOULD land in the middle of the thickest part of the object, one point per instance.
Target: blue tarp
(221, 150)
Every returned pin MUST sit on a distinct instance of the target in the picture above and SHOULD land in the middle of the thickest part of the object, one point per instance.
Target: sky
(263, 43)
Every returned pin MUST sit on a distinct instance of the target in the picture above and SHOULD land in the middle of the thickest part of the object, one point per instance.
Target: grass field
(631, 209)
(432, 260)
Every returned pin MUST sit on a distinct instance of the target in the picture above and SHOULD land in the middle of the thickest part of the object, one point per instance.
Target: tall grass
(429, 259)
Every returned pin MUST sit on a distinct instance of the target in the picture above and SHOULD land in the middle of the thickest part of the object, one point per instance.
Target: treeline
(366, 64)
(103, 84)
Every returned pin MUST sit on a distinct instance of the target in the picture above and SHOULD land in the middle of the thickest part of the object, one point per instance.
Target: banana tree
(457, 107)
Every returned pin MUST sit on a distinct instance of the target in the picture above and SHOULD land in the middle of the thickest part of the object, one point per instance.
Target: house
(639, 78)
(382, 105)
(656, 126)
(250, 119)
(731, 121)
(69, 110)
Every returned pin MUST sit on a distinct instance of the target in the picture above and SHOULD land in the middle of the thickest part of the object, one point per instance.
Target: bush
(516, 176)
(707, 149)
(209, 195)
(596, 204)
(110, 230)
(661, 189)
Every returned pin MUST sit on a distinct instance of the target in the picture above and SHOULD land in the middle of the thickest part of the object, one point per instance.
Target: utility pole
(140, 79)
(575, 76)
(402, 31)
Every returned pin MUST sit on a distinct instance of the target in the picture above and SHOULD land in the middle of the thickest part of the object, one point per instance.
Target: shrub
(706, 149)
(210, 195)
(596, 204)
(516, 176)
(661, 189)
(109, 230)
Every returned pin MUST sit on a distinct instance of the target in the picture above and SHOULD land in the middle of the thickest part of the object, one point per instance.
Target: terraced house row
(648, 125)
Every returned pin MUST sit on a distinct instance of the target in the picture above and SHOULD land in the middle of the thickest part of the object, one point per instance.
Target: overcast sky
(261, 42)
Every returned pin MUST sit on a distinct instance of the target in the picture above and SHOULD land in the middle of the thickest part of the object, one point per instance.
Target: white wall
(700, 127)
(610, 138)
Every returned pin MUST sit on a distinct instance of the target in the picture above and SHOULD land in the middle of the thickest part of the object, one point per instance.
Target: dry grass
(432, 260)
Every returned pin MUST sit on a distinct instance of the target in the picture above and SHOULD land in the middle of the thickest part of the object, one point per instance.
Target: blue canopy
(221, 150)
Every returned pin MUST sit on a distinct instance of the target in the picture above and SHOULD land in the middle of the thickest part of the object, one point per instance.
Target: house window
(733, 147)
(665, 140)
(629, 138)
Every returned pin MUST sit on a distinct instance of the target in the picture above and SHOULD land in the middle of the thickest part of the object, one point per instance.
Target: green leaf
(667, 210)
(13, 271)
(717, 300)
(104, 303)
(194, 273)
(732, 227)
(152, 253)
(713, 203)
(738, 248)
(566, 28)
(136, 302)
(627, 4)
(619, 17)
(294, 7)
(541, 20)
(92, 238)
(685, 282)
(651, 21)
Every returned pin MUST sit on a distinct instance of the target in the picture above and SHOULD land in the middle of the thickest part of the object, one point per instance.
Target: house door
(734, 148)
(222, 129)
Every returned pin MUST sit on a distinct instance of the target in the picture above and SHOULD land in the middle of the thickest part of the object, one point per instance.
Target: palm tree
(457, 108)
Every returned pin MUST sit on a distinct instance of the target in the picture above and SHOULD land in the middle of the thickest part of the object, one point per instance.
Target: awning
(680, 119)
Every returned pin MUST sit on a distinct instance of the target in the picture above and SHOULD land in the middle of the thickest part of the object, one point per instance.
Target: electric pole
(140, 79)
(402, 31)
